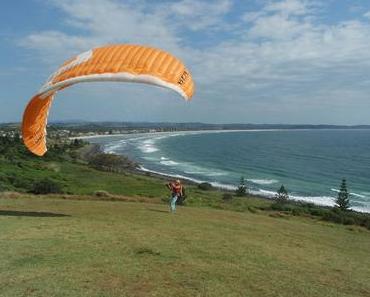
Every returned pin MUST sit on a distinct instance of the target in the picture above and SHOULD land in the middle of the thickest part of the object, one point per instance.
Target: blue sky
(253, 61)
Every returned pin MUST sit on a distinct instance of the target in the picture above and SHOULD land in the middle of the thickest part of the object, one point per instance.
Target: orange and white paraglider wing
(126, 63)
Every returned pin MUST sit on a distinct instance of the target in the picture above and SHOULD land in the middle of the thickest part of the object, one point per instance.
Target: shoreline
(255, 194)
(212, 131)
(324, 201)
(180, 131)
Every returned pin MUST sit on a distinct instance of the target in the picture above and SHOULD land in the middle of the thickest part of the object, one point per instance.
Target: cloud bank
(274, 61)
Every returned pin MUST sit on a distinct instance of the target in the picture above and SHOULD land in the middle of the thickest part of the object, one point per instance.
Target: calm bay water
(310, 163)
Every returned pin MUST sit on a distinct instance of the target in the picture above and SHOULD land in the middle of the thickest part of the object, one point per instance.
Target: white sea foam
(147, 146)
(112, 147)
(150, 158)
(357, 195)
(362, 195)
(169, 163)
(223, 186)
(318, 200)
(142, 168)
(263, 181)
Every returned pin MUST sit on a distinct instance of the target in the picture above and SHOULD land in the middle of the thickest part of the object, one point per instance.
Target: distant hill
(204, 126)
(85, 125)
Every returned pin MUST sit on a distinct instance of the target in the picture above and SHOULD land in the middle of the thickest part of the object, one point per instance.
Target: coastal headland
(71, 226)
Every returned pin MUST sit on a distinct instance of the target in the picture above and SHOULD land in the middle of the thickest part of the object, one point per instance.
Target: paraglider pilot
(176, 191)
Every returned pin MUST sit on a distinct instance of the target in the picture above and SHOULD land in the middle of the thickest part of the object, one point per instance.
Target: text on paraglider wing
(183, 77)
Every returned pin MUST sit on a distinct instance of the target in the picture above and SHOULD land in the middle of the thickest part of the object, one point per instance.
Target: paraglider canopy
(123, 62)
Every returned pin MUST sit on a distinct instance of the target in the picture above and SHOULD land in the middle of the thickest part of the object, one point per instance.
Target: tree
(242, 189)
(282, 195)
(342, 201)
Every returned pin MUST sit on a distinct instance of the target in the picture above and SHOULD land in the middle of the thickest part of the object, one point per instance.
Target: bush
(46, 186)
(333, 216)
(281, 207)
(317, 212)
(227, 197)
(102, 194)
(252, 209)
(367, 224)
(349, 221)
(298, 211)
(21, 182)
(4, 187)
(205, 186)
(111, 162)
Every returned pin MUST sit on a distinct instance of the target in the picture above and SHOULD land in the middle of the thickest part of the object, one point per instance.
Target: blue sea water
(310, 163)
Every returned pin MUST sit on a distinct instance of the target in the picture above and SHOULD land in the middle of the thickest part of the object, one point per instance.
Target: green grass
(105, 248)
(79, 179)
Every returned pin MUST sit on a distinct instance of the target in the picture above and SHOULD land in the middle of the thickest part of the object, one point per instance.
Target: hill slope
(103, 248)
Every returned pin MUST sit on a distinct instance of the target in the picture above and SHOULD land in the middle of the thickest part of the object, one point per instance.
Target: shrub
(46, 186)
(333, 216)
(317, 212)
(4, 187)
(367, 224)
(349, 221)
(205, 186)
(298, 211)
(281, 207)
(21, 182)
(102, 194)
(111, 162)
(227, 197)
(252, 209)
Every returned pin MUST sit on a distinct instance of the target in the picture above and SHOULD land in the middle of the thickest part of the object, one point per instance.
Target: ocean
(310, 163)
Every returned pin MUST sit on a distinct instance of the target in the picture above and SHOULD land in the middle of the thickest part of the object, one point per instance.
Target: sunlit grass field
(50, 246)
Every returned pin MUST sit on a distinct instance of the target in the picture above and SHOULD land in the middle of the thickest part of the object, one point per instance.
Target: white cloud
(282, 57)
(101, 22)
(288, 7)
(199, 15)
(278, 27)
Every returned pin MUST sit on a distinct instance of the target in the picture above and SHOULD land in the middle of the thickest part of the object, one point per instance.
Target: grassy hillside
(87, 240)
(105, 248)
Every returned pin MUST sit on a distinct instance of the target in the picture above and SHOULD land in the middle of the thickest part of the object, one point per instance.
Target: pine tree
(242, 188)
(343, 197)
(282, 195)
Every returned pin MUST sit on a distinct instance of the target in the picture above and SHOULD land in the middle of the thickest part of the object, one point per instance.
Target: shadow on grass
(158, 210)
(40, 214)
